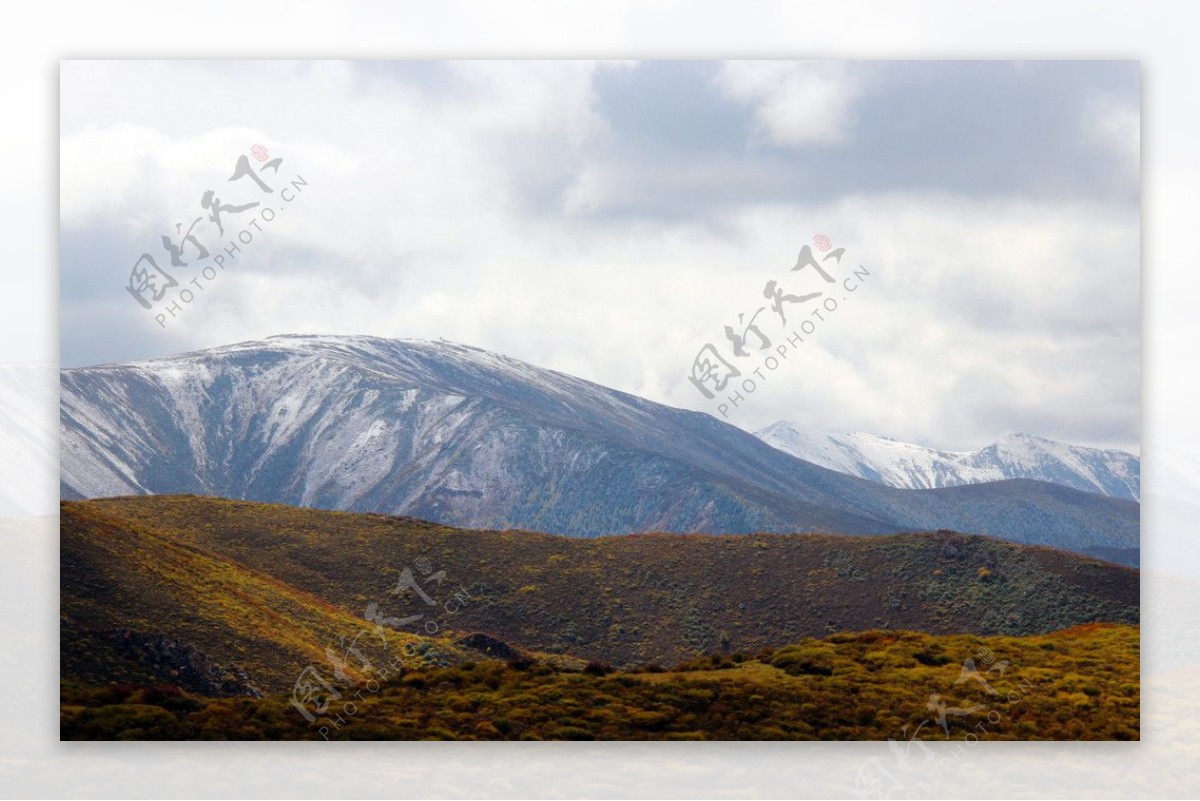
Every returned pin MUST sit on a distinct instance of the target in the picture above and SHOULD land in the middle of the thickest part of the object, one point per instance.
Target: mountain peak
(1028, 438)
(1015, 456)
(462, 436)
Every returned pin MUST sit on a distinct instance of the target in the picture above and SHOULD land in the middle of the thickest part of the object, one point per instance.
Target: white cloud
(796, 104)
(1115, 126)
(466, 209)
(980, 318)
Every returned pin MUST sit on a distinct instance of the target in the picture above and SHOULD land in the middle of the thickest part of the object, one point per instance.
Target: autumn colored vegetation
(191, 618)
(1079, 684)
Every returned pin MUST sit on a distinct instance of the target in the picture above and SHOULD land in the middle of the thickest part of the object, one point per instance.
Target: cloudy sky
(611, 219)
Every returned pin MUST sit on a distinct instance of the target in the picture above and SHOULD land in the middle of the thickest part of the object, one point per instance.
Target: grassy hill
(1077, 684)
(228, 597)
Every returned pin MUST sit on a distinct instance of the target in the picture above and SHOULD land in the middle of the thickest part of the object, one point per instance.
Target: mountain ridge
(469, 438)
(890, 461)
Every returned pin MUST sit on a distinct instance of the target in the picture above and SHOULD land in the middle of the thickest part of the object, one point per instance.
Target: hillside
(474, 439)
(1079, 684)
(265, 588)
(141, 603)
(1114, 473)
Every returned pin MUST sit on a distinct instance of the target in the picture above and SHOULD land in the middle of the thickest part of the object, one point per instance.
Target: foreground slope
(902, 464)
(141, 604)
(267, 588)
(474, 439)
(1079, 684)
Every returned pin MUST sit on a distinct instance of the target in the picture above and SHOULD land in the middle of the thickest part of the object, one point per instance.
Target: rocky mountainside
(470, 438)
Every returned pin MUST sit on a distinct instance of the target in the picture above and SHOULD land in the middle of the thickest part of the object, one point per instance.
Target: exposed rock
(178, 662)
(497, 649)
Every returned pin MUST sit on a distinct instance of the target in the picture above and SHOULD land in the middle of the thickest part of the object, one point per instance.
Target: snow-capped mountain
(900, 464)
(470, 438)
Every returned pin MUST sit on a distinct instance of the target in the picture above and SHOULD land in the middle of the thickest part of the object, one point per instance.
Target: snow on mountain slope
(470, 438)
(901, 464)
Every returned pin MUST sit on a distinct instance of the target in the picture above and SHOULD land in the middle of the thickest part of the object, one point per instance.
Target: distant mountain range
(470, 438)
(900, 464)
